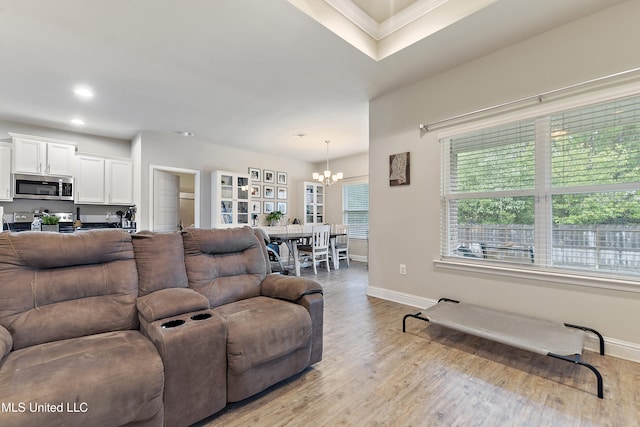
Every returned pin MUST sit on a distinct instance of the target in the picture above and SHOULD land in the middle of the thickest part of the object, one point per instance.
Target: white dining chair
(341, 242)
(318, 249)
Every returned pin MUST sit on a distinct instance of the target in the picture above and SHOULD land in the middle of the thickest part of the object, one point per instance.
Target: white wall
(405, 220)
(161, 149)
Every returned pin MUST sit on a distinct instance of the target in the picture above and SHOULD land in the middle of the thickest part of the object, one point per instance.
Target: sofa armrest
(289, 288)
(6, 342)
(170, 302)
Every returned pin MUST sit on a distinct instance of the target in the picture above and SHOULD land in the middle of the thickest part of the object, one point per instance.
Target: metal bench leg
(577, 361)
(417, 316)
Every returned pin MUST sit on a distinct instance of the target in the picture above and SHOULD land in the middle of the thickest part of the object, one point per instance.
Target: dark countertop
(85, 226)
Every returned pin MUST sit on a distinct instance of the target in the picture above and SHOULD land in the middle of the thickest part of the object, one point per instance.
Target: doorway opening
(174, 198)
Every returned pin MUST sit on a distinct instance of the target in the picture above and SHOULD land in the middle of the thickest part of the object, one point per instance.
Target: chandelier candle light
(327, 178)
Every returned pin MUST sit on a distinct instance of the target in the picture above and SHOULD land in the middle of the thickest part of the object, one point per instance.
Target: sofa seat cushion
(261, 329)
(106, 379)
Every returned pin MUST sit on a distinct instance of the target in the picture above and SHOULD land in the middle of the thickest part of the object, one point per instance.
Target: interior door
(166, 201)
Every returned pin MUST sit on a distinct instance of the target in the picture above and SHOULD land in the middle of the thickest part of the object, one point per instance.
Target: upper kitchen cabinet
(104, 181)
(119, 179)
(37, 155)
(5, 174)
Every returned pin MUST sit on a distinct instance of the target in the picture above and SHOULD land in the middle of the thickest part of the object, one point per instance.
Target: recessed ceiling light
(83, 92)
(78, 122)
(299, 135)
(185, 133)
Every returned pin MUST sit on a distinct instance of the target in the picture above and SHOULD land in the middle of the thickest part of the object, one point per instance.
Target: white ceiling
(247, 73)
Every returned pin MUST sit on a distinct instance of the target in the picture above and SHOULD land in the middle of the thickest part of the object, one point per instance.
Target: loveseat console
(105, 328)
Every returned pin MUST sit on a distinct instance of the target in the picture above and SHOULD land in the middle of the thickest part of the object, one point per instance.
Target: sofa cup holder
(201, 316)
(173, 323)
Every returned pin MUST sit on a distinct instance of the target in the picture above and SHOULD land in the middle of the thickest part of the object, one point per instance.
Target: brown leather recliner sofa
(104, 328)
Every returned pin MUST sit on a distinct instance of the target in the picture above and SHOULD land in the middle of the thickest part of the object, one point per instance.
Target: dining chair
(341, 242)
(318, 249)
(273, 251)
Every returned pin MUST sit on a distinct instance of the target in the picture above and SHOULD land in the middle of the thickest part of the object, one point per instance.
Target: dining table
(291, 240)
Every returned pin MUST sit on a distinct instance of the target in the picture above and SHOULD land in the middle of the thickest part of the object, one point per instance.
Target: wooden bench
(559, 340)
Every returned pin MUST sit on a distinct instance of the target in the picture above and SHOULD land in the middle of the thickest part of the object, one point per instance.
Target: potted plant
(50, 223)
(273, 218)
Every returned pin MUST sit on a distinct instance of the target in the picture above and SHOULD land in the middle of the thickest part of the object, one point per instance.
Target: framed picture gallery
(269, 192)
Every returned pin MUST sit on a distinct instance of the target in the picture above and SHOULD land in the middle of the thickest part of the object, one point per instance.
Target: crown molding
(379, 31)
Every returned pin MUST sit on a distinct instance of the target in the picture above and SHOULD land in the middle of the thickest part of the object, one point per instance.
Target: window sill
(594, 281)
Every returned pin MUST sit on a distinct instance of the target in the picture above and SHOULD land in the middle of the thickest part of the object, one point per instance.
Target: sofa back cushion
(160, 261)
(225, 265)
(57, 286)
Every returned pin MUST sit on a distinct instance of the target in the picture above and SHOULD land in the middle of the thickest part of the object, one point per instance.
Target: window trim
(547, 275)
(579, 278)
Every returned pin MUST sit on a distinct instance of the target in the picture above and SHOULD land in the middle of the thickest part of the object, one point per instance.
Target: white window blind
(355, 202)
(557, 192)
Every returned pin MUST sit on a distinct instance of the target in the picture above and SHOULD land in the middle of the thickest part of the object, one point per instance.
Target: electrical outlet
(403, 269)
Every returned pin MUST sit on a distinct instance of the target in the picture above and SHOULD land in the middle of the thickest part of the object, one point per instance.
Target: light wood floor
(374, 375)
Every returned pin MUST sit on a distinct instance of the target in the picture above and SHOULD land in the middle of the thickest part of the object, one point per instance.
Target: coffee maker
(129, 219)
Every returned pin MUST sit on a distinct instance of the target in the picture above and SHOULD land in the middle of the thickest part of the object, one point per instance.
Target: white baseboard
(359, 258)
(612, 346)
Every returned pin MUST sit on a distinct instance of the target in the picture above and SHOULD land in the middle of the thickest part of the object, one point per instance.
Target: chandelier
(326, 177)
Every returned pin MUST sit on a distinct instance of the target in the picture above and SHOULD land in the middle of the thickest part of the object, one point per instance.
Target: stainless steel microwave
(42, 187)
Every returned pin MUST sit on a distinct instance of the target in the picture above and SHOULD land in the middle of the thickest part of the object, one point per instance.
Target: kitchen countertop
(85, 226)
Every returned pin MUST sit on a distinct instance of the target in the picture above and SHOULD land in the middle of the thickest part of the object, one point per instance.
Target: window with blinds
(355, 213)
(559, 192)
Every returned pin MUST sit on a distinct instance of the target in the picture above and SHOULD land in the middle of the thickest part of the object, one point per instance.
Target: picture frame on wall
(269, 176)
(256, 191)
(269, 192)
(282, 178)
(282, 193)
(282, 207)
(256, 207)
(255, 174)
(399, 169)
(268, 207)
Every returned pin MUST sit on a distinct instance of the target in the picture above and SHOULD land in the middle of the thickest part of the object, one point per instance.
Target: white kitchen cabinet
(230, 200)
(37, 155)
(119, 182)
(104, 181)
(89, 180)
(5, 174)
(313, 203)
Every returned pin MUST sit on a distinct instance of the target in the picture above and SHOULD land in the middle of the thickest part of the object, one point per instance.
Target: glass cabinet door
(242, 188)
(226, 211)
(226, 186)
